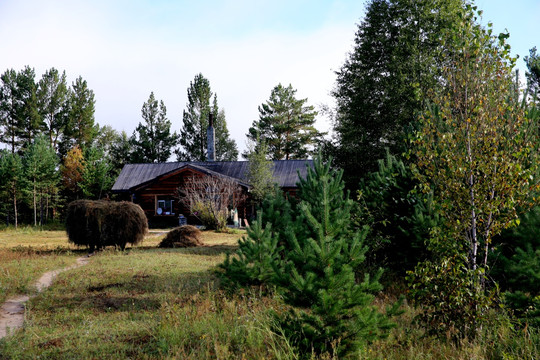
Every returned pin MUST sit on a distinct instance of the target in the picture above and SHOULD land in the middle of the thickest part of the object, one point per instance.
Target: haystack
(97, 224)
(183, 236)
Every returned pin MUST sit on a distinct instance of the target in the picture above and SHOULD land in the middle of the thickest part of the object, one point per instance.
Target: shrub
(183, 236)
(97, 224)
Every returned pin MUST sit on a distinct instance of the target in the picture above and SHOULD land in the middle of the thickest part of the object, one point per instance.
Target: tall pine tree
(53, 104)
(226, 149)
(19, 118)
(286, 124)
(30, 122)
(195, 123)
(12, 182)
(10, 104)
(80, 128)
(153, 141)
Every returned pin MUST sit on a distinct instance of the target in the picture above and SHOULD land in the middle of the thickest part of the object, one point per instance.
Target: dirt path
(12, 311)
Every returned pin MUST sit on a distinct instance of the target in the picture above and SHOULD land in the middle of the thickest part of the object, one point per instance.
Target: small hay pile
(97, 224)
(181, 237)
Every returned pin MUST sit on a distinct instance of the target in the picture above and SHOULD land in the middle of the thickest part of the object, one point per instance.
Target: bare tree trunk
(41, 208)
(47, 207)
(15, 208)
(35, 205)
(473, 234)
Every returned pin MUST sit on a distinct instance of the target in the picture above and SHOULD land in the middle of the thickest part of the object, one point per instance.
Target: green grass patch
(145, 303)
(21, 267)
(151, 303)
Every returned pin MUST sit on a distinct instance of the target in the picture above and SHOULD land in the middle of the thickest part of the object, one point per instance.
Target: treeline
(56, 152)
(440, 147)
(43, 124)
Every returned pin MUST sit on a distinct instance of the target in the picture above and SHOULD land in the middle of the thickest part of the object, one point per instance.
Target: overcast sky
(125, 49)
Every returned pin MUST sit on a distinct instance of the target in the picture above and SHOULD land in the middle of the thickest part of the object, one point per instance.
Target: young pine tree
(313, 257)
(320, 277)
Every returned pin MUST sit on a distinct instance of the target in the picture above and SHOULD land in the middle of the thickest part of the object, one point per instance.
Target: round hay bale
(181, 237)
(97, 224)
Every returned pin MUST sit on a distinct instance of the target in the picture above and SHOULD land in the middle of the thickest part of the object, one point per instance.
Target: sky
(126, 49)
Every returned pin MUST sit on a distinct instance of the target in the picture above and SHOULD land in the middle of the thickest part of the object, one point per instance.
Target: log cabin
(157, 187)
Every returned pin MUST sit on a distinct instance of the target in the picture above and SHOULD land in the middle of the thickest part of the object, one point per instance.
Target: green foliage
(53, 104)
(226, 149)
(286, 125)
(211, 217)
(474, 153)
(19, 119)
(80, 129)
(254, 261)
(453, 303)
(30, 122)
(12, 183)
(195, 123)
(517, 267)
(40, 168)
(97, 175)
(260, 175)
(399, 217)
(153, 141)
(119, 150)
(313, 256)
(383, 84)
(533, 74)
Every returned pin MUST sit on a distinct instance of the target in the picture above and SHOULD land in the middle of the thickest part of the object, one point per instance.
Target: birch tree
(475, 153)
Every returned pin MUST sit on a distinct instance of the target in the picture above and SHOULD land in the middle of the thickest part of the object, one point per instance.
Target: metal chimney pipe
(211, 139)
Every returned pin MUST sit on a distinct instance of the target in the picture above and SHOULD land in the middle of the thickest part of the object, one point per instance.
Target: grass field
(151, 303)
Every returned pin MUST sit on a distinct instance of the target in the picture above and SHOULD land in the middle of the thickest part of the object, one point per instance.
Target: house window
(164, 207)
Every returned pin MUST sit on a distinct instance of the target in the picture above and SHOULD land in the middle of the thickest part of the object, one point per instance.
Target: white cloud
(122, 64)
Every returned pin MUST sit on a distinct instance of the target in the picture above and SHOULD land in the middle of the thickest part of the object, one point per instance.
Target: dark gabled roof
(137, 175)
